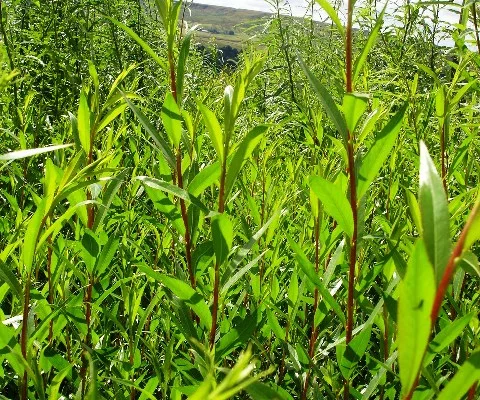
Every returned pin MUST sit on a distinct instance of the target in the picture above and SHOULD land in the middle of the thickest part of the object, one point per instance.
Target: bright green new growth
(299, 222)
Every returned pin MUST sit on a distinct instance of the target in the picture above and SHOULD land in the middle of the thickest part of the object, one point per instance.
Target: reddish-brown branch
(314, 329)
(353, 189)
(471, 391)
(451, 264)
(446, 279)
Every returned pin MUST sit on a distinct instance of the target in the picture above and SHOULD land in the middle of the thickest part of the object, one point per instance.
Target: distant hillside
(228, 26)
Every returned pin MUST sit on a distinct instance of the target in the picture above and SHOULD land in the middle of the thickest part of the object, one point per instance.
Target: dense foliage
(304, 224)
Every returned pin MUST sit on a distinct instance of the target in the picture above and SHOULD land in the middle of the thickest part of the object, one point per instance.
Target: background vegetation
(302, 223)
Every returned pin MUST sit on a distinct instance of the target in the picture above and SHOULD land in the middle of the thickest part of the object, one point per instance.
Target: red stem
(446, 278)
(353, 189)
(216, 284)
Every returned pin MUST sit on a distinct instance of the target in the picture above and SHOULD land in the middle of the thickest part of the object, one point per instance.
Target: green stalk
(23, 337)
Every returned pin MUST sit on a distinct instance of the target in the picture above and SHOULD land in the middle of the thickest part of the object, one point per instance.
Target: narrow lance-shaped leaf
(434, 212)
(16, 155)
(31, 236)
(7, 276)
(415, 302)
(378, 153)
(309, 270)
(175, 190)
(355, 351)
(473, 233)
(141, 42)
(242, 154)
(83, 120)
(332, 14)
(334, 202)
(172, 119)
(448, 334)
(181, 65)
(222, 233)
(214, 131)
(464, 379)
(110, 192)
(360, 61)
(206, 177)
(354, 105)
(327, 101)
(154, 134)
(184, 292)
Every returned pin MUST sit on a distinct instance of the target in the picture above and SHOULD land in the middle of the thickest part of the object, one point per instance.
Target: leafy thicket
(304, 225)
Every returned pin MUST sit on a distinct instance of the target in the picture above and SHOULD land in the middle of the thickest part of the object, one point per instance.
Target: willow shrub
(305, 226)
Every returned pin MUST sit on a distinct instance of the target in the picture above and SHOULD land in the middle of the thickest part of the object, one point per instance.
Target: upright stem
(314, 332)
(183, 207)
(285, 52)
(9, 53)
(475, 25)
(353, 188)
(446, 279)
(216, 284)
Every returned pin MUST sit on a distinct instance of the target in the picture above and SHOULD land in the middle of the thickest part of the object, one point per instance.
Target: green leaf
(110, 192)
(160, 142)
(469, 263)
(334, 202)
(360, 61)
(327, 101)
(378, 153)
(16, 155)
(417, 292)
(206, 177)
(7, 276)
(90, 249)
(140, 42)
(355, 351)
(181, 65)
(473, 233)
(462, 92)
(175, 190)
(332, 14)
(83, 120)
(31, 236)
(222, 233)
(435, 216)
(354, 105)
(243, 152)
(214, 131)
(184, 292)
(261, 391)
(240, 273)
(309, 270)
(448, 334)
(163, 204)
(237, 336)
(111, 115)
(243, 251)
(172, 119)
(106, 255)
(275, 325)
(57, 381)
(467, 375)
